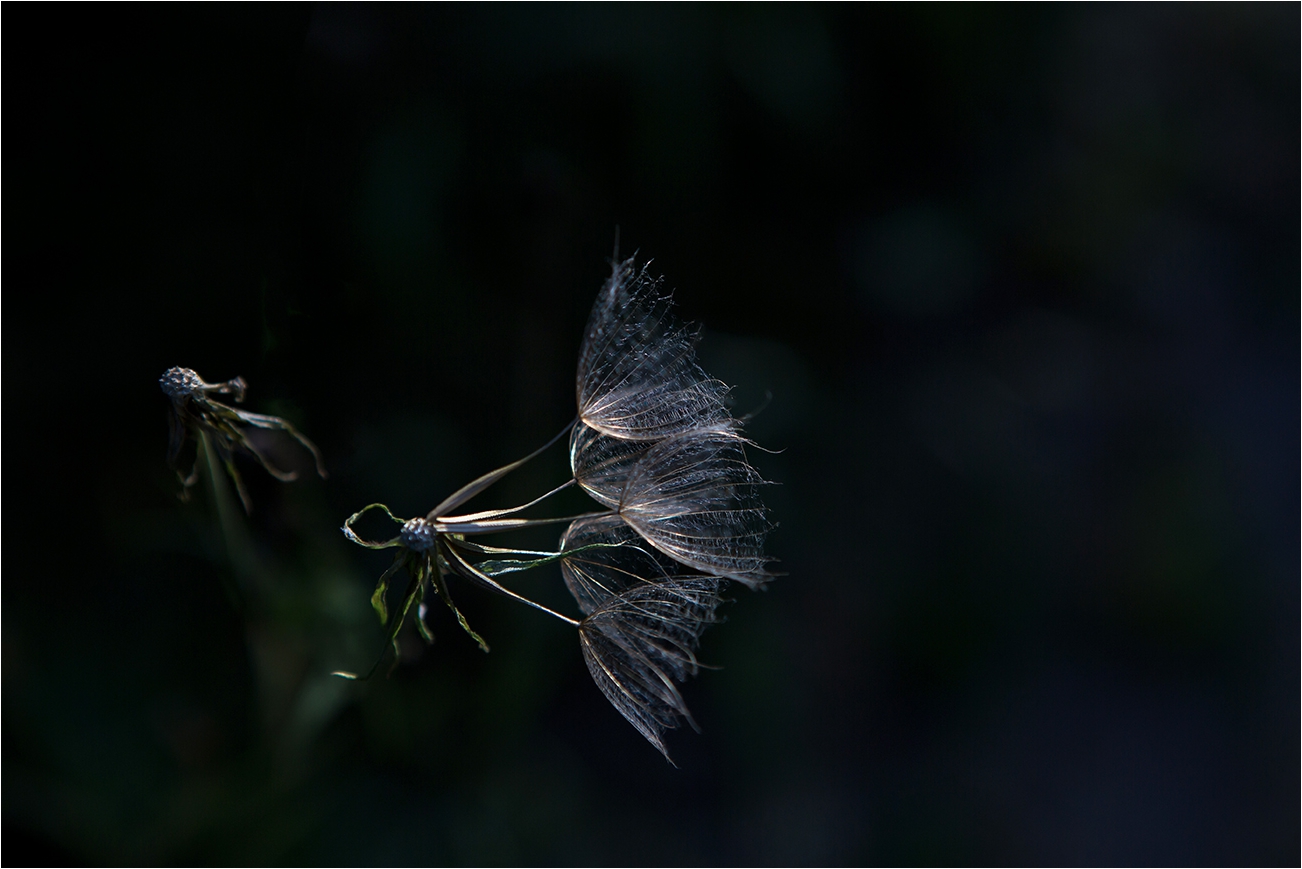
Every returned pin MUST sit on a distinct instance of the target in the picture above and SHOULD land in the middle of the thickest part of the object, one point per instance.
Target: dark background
(1022, 282)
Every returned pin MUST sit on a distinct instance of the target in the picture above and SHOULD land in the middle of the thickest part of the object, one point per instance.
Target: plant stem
(234, 534)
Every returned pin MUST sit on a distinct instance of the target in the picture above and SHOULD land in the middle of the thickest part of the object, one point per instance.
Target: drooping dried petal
(622, 561)
(642, 642)
(696, 499)
(601, 463)
(638, 378)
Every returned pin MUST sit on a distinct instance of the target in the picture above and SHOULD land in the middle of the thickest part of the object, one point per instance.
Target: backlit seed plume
(607, 558)
(645, 615)
(642, 642)
(638, 378)
(601, 463)
(696, 499)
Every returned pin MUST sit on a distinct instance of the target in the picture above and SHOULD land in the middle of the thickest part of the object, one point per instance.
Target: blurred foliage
(1023, 284)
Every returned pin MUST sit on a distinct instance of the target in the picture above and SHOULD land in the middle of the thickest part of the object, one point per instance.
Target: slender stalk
(474, 487)
(494, 526)
(234, 534)
(468, 570)
(497, 514)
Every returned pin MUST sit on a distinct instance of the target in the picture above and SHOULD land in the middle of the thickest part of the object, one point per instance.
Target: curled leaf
(369, 544)
(275, 423)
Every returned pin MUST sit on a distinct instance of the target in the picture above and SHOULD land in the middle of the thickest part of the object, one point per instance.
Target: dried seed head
(180, 383)
(417, 535)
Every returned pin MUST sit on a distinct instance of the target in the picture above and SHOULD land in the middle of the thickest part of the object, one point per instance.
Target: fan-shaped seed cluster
(655, 443)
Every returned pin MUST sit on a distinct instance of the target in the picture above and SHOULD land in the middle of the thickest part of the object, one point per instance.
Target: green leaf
(382, 588)
(443, 593)
(425, 633)
(499, 566)
(414, 594)
(419, 567)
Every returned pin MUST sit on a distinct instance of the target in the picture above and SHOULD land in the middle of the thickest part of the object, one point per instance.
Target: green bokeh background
(1022, 283)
